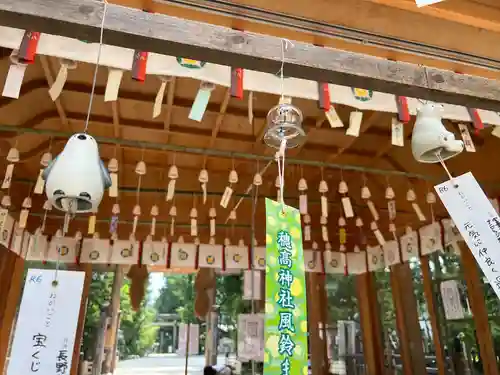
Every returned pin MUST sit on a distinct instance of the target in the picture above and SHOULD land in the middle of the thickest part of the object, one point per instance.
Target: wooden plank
(371, 329)
(475, 292)
(135, 29)
(430, 298)
(11, 283)
(466, 12)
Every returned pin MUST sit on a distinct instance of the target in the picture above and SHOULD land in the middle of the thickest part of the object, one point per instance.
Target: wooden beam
(127, 27)
(475, 293)
(317, 347)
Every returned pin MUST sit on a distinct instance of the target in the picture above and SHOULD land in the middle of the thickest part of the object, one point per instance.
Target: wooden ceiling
(460, 26)
(226, 127)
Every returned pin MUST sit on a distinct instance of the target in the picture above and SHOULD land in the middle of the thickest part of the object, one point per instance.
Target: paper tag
(324, 233)
(346, 204)
(170, 190)
(113, 189)
(418, 211)
(464, 131)
(452, 301)
(40, 184)
(391, 207)
(92, 221)
(252, 290)
(194, 228)
(307, 233)
(477, 221)
(373, 210)
(8, 176)
(423, 3)
(226, 197)
(200, 104)
(14, 80)
(23, 218)
(355, 119)
(58, 85)
(380, 238)
(333, 118)
(391, 253)
(496, 131)
(113, 85)
(303, 204)
(324, 206)
(398, 138)
(212, 227)
(159, 99)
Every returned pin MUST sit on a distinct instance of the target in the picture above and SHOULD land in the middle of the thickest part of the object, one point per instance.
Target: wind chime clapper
(411, 197)
(140, 170)
(228, 191)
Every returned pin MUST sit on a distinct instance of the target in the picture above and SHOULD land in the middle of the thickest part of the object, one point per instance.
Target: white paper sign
(251, 285)
(251, 337)
(423, 3)
(477, 221)
(451, 300)
(194, 334)
(45, 330)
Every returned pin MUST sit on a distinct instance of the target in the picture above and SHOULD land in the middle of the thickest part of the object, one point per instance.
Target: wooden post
(371, 327)
(75, 362)
(407, 321)
(477, 302)
(113, 328)
(317, 346)
(430, 298)
(11, 283)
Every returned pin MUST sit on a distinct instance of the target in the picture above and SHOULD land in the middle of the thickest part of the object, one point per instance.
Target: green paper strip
(200, 104)
(285, 351)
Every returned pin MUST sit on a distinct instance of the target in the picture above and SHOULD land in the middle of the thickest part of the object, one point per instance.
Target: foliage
(138, 336)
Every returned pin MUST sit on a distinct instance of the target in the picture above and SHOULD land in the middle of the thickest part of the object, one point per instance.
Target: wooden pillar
(477, 302)
(430, 298)
(75, 361)
(316, 345)
(407, 321)
(371, 326)
(11, 284)
(323, 300)
(111, 333)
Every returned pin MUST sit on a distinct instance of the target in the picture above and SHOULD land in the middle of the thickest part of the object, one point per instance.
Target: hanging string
(285, 43)
(441, 161)
(94, 80)
(280, 159)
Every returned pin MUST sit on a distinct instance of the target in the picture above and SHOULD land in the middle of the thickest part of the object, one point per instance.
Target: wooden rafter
(170, 102)
(131, 28)
(218, 122)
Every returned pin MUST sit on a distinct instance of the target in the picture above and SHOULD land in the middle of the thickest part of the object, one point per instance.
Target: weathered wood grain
(168, 35)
